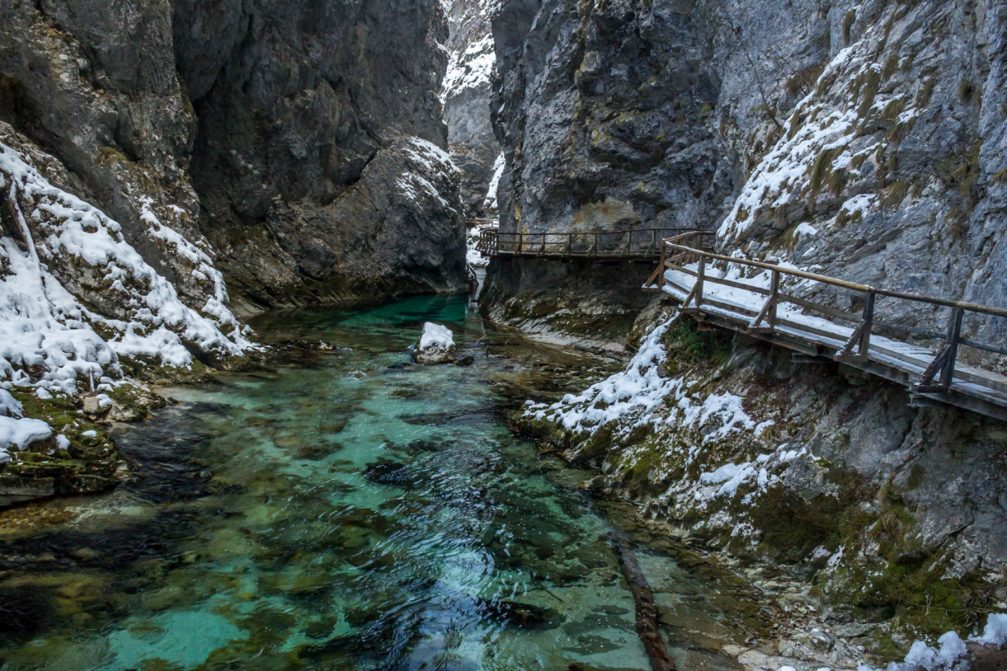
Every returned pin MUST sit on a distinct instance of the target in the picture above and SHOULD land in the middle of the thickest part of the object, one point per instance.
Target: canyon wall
(169, 167)
(864, 140)
(467, 93)
(300, 143)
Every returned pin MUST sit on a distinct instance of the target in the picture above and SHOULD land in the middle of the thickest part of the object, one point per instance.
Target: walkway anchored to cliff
(758, 299)
(750, 297)
(642, 244)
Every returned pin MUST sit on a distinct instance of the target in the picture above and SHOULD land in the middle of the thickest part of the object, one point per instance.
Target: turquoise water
(347, 510)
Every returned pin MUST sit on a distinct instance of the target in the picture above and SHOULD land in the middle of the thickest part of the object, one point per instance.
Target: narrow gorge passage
(349, 510)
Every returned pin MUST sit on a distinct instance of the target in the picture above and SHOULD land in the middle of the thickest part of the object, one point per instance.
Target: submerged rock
(385, 472)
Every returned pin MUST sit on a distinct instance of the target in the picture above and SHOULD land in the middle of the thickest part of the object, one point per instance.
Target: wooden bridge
(643, 244)
(758, 298)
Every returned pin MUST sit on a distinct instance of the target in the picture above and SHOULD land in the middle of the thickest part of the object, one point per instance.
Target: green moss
(869, 84)
(961, 172)
(792, 527)
(108, 155)
(893, 194)
(926, 92)
(891, 65)
(686, 344)
(916, 477)
(821, 169)
(967, 92)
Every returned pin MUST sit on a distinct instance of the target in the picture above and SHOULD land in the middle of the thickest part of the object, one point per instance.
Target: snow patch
(436, 336)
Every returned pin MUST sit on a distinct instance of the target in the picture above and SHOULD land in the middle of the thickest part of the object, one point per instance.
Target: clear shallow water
(348, 511)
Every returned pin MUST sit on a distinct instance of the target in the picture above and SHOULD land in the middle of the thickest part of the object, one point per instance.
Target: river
(345, 509)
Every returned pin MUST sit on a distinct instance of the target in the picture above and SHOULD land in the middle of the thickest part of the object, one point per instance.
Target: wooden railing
(637, 243)
(691, 253)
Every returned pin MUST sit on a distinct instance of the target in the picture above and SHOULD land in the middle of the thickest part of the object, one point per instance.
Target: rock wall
(864, 140)
(165, 165)
(467, 93)
(861, 139)
(301, 140)
(317, 153)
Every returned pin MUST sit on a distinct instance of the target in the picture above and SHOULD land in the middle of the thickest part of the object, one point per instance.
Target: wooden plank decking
(749, 297)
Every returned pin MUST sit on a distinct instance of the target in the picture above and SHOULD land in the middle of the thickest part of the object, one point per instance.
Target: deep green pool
(348, 511)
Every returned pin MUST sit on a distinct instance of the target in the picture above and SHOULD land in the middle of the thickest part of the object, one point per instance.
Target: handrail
(937, 377)
(845, 284)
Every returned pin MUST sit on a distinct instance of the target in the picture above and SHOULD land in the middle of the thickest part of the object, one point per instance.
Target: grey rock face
(277, 129)
(468, 93)
(303, 112)
(865, 140)
(93, 83)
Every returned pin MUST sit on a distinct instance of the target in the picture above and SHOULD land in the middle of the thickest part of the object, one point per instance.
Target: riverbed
(346, 509)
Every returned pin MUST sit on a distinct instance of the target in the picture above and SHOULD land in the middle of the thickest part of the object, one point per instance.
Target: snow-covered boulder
(19, 433)
(436, 345)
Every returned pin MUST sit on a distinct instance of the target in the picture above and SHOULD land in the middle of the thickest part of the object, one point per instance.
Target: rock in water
(436, 345)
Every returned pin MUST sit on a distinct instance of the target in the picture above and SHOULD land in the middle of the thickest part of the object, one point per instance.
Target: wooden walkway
(642, 244)
(756, 298)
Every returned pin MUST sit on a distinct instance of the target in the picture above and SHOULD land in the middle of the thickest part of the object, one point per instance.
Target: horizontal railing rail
(691, 253)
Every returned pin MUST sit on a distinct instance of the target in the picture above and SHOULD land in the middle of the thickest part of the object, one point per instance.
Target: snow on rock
(473, 257)
(632, 394)
(995, 632)
(492, 201)
(436, 345)
(470, 68)
(10, 406)
(642, 395)
(20, 433)
(951, 653)
(68, 274)
(822, 135)
(436, 336)
(425, 159)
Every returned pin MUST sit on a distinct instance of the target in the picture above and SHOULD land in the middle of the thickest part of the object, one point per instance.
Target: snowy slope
(76, 297)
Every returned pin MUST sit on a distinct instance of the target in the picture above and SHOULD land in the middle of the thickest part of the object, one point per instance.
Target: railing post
(954, 335)
(663, 266)
(596, 248)
(865, 337)
(701, 275)
(774, 288)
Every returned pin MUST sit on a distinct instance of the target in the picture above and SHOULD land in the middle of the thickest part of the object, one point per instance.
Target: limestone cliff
(302, 140)
(467, 93)
(864, 140)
